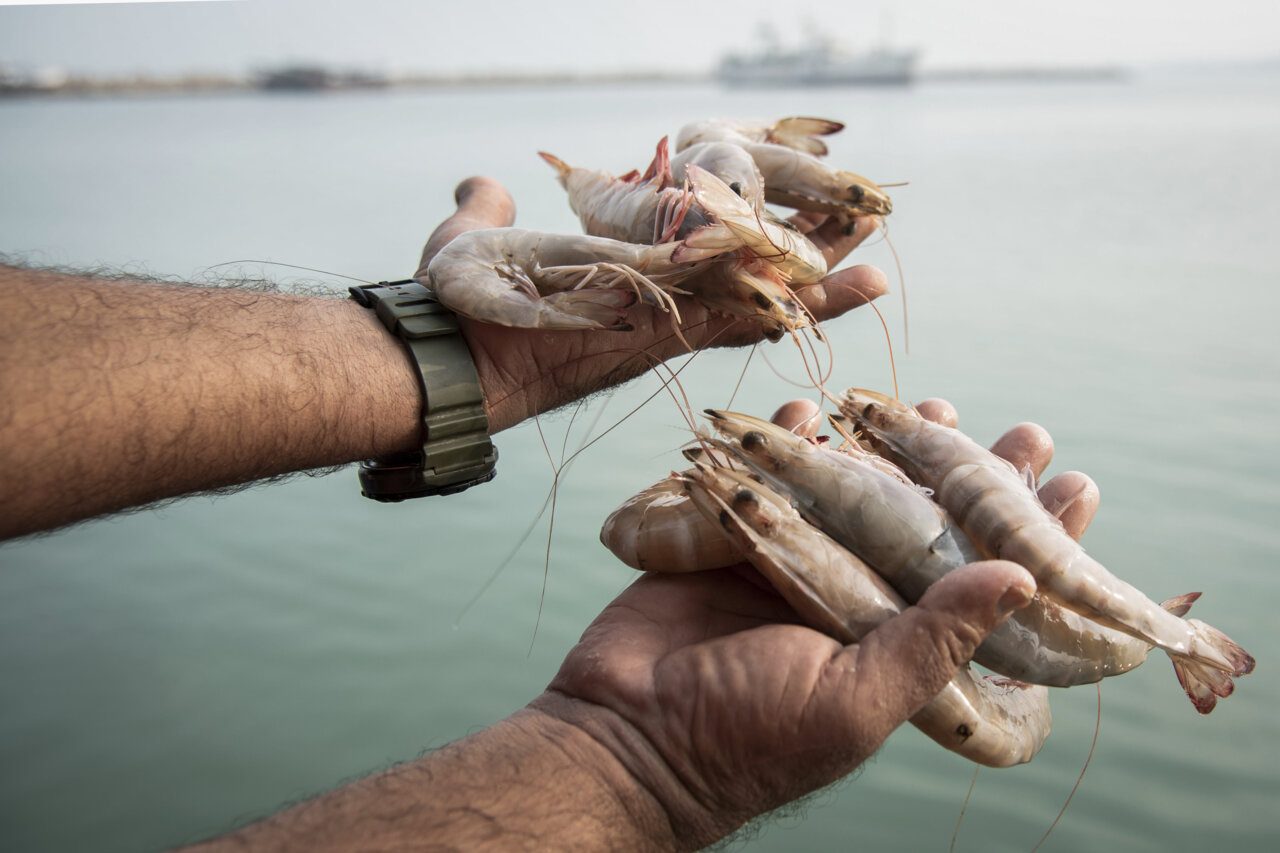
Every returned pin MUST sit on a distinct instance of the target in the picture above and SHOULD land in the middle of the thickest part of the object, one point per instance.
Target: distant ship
(819, 62)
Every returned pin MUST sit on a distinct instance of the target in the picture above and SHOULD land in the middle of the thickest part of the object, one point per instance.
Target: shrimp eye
(762, 300)
(753, 440)
(858, 193)
(736, 186)
(744, 496)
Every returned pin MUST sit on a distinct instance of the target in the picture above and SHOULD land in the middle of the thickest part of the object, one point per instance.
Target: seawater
(1096, 257)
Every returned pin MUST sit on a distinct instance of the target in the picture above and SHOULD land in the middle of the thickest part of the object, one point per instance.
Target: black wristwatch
(456, 450)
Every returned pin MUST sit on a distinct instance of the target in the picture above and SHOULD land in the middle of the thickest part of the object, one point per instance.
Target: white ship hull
(817, 68)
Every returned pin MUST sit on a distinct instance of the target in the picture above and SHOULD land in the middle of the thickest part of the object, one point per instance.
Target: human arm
(693, 703)
(116, 393)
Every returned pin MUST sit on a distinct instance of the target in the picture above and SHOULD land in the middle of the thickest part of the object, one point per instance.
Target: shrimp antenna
(902, 280)
(893, 368)
(964, 806)
(524, 537)
(1096, 728)
(742, 374)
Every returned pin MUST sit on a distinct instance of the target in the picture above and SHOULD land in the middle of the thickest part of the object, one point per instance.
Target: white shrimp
(909, 540)
(1004, 518)
(786, 152)
(659, 530)
(991, 721)
(728, 162)
(797, 132)
(649, 208)
(636, 208)
(531, 279)
(739, 226)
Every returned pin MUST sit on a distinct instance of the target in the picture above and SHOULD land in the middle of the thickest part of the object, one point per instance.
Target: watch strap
(457, 452)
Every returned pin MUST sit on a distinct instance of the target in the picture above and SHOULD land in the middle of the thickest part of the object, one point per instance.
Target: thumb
(482, 203)
(908, 659)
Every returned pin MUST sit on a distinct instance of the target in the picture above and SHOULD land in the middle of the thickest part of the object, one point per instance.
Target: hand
(707, 690)
(693, 703)
(528, 371)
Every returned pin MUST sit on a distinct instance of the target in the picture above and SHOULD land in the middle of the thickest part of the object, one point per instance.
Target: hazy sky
(584, 35)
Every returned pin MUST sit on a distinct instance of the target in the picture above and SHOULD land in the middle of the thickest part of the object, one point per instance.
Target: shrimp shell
(531, 279)
(659, 530)
(647, 208)
(1005, 519)
(635, 208)
(787, 152)
(738, 225)
(728, 162)
(995, 722)
(797, 132)
(889, 522)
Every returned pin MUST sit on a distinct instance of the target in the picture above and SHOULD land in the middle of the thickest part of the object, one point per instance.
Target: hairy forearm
(531, 781)
(117, 393)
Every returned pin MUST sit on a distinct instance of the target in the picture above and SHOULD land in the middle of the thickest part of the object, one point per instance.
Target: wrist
(454, 451)
(664, 808)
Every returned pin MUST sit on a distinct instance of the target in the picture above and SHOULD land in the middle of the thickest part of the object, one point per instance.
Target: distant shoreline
(319, 80)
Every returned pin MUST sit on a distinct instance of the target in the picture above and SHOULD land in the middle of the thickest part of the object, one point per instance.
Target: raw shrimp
(992, 721)
(1002, 515)
(785, 152)
(660, 530)
(636, 208)
(871, 509)
(649, 208)
(728, 162)
(797, 132)
(515, 277)
(736, 224)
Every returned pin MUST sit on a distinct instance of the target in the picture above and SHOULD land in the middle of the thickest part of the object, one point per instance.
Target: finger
(1073, 497)
(802, 417)
(807, 221)
(837, 293)
(902, 664)
(837, 240)
(482, 203)
(1026, 446)
(939, 411)
(843, 290)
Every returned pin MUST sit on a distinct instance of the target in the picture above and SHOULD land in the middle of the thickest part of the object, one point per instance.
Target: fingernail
(1015, 597)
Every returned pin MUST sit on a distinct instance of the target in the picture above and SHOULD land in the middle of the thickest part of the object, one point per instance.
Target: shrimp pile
(849, 536)
(694, 224)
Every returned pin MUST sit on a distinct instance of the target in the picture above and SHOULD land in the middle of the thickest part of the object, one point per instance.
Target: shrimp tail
(801, 132)
(1205, 684)
(1240, 661)
(1180, 605)
(562, 168)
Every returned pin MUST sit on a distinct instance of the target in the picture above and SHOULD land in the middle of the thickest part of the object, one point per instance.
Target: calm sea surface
(1099, 258)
